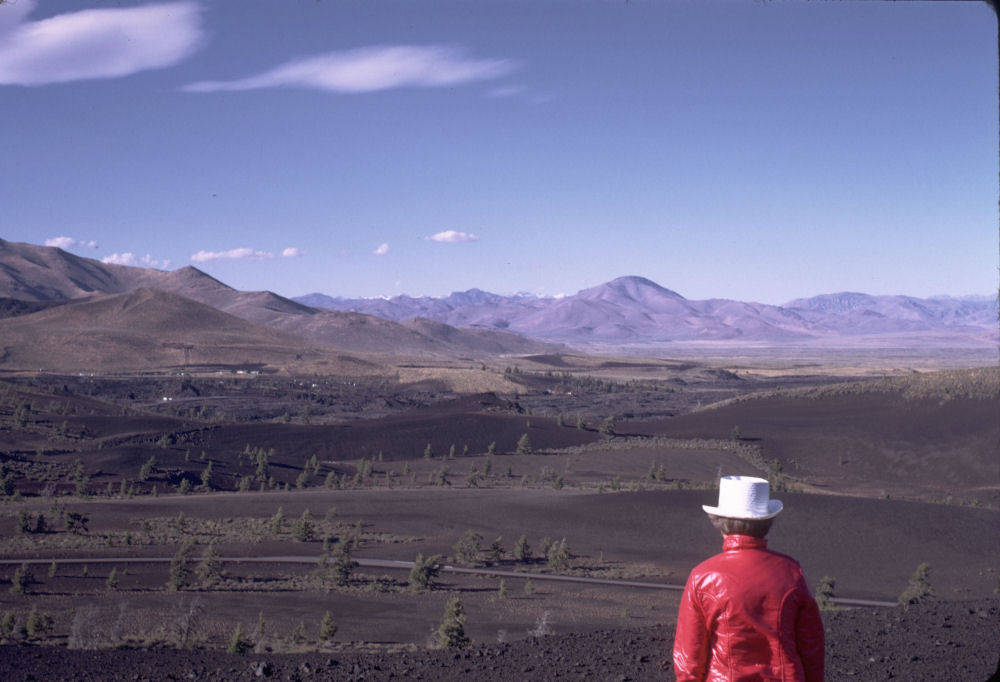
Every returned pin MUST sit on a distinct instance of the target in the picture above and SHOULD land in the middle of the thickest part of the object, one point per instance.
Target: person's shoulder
(712, 564)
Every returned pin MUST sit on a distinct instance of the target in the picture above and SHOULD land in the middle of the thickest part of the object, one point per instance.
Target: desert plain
(237, 522)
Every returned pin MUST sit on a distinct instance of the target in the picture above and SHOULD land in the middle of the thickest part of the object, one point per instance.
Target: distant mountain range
(60, 310)
(637, 311)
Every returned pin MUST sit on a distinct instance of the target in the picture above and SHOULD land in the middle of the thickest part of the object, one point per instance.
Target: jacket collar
(735, 542)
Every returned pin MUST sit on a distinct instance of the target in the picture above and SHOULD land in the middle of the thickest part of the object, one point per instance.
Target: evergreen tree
(304, 527)
(327, 628)
(824, 594)
(239, 643)
(558, 555)
(523, 444)
(522, 550)
(179, 574)
(451, 632)
(424, 572)
(607, 426)
(919, 587)
(278, 521)
(467, 548)
(209, 569)
(344, 565)
(147, 468)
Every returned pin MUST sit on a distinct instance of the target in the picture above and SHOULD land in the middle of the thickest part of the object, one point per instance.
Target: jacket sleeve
(691, 638)
(809, 637)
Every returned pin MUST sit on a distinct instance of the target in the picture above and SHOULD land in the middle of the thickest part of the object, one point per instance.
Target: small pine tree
(304, 527)
(607, 427)
(824, 594)
(278, 521)
(523, 445)
(20, 582)
(919, 588)
(239, 643)
(467, 548)
(179, 577)
(424, 572)
(327, 628)
(558, 555)
(112, 581)
(209, 569)
(344, 565)
(522, 550)
(496, 551)
(37, 624)
(147, 469)
(451, 632)
(24, 521)
(206, 477)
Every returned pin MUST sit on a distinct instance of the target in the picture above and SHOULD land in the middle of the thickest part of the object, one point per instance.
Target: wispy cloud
(69, 243)
(505, 91)
(451, 237)
(242, 253)
(131, 259)
(292, 252)
(94, 43)
(381, 250)
(368, 69)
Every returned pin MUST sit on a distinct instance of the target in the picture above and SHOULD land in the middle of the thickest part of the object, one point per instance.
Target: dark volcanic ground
(955, 641)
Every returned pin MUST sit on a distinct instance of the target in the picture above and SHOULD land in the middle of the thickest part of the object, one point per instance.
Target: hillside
(32, 277)
(146, 329)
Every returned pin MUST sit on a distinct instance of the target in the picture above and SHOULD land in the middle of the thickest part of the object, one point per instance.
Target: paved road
(405, 566)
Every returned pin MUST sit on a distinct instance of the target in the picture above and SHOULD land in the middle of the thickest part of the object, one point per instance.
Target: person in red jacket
(747, 613)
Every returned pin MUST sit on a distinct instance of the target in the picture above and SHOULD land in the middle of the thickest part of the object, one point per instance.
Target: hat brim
(774, 507)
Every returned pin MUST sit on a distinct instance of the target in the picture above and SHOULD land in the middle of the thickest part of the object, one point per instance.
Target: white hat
(744, 497)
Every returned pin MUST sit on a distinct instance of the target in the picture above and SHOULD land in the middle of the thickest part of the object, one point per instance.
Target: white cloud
(69, 243)
(452, 237)
(291, 252)
(131, 259)
(94, 43)
(368, 69)
(381, 250)
(243, 253)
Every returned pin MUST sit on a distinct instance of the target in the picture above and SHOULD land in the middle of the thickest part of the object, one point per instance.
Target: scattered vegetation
(918, 589)
(451, 632)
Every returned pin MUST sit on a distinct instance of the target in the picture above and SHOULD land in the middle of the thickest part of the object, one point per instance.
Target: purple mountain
(635, 310)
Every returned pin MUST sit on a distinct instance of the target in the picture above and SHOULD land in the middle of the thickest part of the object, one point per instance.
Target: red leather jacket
(747, 614)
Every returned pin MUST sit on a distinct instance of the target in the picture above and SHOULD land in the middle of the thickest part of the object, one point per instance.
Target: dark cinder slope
(932, 436)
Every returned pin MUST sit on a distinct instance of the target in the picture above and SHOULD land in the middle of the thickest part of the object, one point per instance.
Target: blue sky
(758, 151)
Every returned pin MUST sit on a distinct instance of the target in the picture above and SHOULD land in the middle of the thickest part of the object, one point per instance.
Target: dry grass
(459, 380)
(981, 383)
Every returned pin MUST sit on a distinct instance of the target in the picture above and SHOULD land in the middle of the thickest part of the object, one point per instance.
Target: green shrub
(239, 642)
(451, 632)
